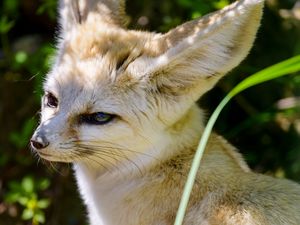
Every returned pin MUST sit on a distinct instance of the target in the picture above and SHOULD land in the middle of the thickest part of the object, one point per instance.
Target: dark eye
(98, 118)
(51, 101)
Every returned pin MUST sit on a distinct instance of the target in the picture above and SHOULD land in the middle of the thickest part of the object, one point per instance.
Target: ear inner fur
(203, 48)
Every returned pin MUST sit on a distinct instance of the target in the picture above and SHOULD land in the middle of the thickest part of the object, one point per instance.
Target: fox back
(120, 105)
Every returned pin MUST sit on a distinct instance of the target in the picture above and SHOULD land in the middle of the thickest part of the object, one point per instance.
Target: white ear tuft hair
(199, 52)
(74, 12)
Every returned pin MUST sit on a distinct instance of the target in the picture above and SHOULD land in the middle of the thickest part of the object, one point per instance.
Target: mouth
(52, 157)
(42, 154)
(46, 156)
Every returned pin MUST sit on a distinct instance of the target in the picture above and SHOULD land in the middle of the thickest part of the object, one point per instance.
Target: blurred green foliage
(26, 194)
(263, 122)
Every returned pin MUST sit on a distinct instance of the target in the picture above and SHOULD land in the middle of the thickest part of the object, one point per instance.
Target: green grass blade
(289, 66)
(286, 67)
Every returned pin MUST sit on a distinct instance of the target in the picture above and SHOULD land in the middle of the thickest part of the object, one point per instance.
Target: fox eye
(51, 101)
(98, 118)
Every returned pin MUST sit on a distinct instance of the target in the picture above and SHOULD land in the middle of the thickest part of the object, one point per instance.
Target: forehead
(93, 56)
(87, 56)
(80, 74)
(84, 83)
(87, 64)
(79, 96)
(86, 42)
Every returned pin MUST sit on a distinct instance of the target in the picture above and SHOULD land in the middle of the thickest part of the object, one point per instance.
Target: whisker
(83, 149)
(113, 155)
(89, 158)
(52, 164)
(113, 147)
(109, 153)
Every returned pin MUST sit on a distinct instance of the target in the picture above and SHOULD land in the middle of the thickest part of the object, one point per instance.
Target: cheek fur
(106, 133)
(46, 114)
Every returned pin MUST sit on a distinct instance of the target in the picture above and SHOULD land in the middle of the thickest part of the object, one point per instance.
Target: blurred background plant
(263, 122)
(26, 194)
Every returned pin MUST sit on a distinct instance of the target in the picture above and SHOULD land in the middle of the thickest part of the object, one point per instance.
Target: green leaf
(185, 3)
(221, 4)
(5, 25)
(28, 184)
(289, 66)
(14, 186)
(39, 217)
(43, 184)
(49, 7)
(23, 200)
(27, 214)
(196, 15)
(43, 203)
(20, 139)
(21, 57)
(11, 6)
(12, 197)
(286, 67)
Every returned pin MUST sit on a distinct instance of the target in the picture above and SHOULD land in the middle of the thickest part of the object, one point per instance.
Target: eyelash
(98, 118)
(51, 101)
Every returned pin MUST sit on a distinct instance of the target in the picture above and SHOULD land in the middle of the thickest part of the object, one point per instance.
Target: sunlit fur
(131, 171)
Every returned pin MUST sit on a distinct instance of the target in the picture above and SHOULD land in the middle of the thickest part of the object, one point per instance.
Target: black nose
(39, 144)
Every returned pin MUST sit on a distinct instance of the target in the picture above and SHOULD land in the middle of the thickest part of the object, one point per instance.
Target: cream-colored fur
(131, 170)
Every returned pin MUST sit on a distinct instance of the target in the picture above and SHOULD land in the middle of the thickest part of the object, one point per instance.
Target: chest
(128, 201)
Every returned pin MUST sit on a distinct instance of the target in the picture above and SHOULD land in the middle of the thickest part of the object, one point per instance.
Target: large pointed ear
(199, 52)
(74, 12)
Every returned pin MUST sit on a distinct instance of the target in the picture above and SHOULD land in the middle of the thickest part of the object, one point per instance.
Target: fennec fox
(120, 105)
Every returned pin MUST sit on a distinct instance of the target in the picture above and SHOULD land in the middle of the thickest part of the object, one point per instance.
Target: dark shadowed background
(263, 122)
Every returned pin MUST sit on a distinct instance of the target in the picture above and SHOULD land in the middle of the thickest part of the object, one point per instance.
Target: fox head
(115, 95)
